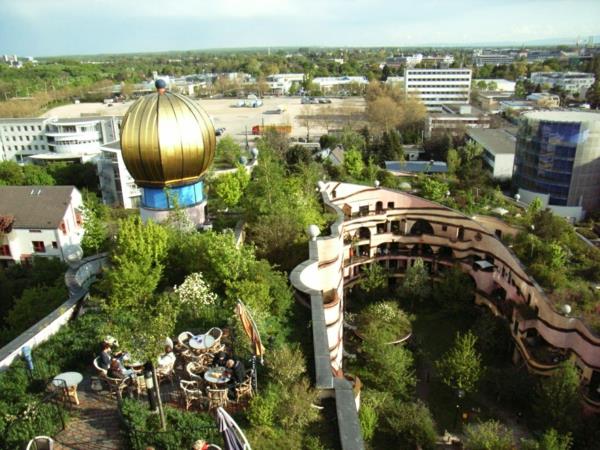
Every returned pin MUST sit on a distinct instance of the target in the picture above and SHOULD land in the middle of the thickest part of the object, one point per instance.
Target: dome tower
(168, 142)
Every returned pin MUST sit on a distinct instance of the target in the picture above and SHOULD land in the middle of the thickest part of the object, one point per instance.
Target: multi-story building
(558, 161)
(571, 82)
(52, 139)
(280, 84)
(456, 120)
(38, 221)
(437, 87)
(492, 59)
(116, 184)
(498, 149)
(393, 229)
(328, 84)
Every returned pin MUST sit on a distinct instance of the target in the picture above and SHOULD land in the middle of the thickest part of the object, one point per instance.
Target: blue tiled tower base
(157, 203)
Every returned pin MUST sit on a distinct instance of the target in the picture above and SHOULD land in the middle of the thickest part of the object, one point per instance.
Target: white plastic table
(69, 382)
(217, 375)
(201, 342)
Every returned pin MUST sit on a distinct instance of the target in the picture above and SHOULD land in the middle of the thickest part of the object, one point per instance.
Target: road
(225, 114)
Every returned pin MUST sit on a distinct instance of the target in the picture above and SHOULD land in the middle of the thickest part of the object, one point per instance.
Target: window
(444, 227)
(63, 227)
(5, 250)
(38, 246)
(35, 231)
(54, 244)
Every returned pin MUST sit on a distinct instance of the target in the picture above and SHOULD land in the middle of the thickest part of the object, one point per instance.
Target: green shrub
(263, 407)
(490, 435)
(368, 421)
(412, 423)
(142, 427)
(286, 364)
(383, 322)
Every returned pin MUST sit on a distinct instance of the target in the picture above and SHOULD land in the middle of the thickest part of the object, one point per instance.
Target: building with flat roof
(456, 119)
(545, 99)
(437, 87)
(53, 139)
(280, 84)
(409, 168)
(492, 59)
(571, 82)
(557, 159)
(498, 149)
(117, 186)
(329, 84)
(38, 221)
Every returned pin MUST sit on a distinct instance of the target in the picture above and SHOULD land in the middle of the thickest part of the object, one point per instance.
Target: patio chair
(101, 372)
(244, 390)
(166, 372)
(119, 385)
(194, 369)
(216, 333)
(191, 393)
(216, 398)
(183, 338)
(188, 356)
(217, 347)
(41, 443)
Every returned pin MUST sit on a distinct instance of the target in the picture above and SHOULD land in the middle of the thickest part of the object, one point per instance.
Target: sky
(67, 27)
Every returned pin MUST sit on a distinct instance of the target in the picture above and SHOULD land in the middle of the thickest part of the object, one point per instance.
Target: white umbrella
(233, 437)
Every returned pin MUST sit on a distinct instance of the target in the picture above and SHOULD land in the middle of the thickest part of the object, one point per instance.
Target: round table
(217, 375)
(68, 381)
(201, 342)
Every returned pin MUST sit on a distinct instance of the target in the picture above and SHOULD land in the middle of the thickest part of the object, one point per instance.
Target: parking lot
(236, 120)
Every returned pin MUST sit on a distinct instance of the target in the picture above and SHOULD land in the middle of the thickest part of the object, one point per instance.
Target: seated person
(167, 358)
(117, 370)
(238, 371)
(220, 359)
(105, 356)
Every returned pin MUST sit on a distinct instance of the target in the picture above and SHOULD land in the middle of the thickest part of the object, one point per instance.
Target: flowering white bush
(195, 293)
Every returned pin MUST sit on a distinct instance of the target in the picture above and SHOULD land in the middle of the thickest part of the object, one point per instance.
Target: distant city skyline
(71, 27)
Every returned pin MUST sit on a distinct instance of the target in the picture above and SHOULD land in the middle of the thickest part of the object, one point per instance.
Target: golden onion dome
(167, 140)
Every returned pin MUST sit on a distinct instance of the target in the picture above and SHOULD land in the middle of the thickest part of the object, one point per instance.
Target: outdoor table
(217, 375)
(201, 342)
(68, 381)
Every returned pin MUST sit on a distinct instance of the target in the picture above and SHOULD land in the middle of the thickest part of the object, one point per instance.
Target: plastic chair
(41, 443)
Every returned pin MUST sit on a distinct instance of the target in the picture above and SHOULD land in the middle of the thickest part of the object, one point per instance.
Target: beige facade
(393, 228)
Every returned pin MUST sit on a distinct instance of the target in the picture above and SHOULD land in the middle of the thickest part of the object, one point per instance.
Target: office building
(456, 119)
(437, 87)
(52, 139)
(280, 84)
(498, 149)
(557, 159)
(571, 82)
(492, 59)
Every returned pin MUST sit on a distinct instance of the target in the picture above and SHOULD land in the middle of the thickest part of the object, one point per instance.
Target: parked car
(220, 131)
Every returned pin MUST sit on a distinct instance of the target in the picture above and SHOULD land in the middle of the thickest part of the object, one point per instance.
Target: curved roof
(167, 140)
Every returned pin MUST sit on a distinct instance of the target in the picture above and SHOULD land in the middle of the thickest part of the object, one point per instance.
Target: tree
(412, 424)
(384, 113)
(391, 147)
(228, 150)
(453, 161)
(196, 298)
(353, 163)
(557, 399)
(374, 278)
(550, 440)
(490, 435)
(307, 119)
(460, 368)
(36, 176)
(592, 96)
(229, 188)
(416, 283)
(433, 189)
(94, 225)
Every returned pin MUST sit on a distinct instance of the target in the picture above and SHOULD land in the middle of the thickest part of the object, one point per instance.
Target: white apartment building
(52, 139)
(437, 87)
(116, 184)
(481, 59)
(280, 84)
(572, 82)
(38, 221)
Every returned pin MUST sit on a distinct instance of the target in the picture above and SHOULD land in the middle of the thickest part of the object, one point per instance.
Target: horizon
(73, 28)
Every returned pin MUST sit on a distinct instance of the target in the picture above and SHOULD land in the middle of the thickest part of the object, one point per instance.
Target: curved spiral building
(168, 142)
